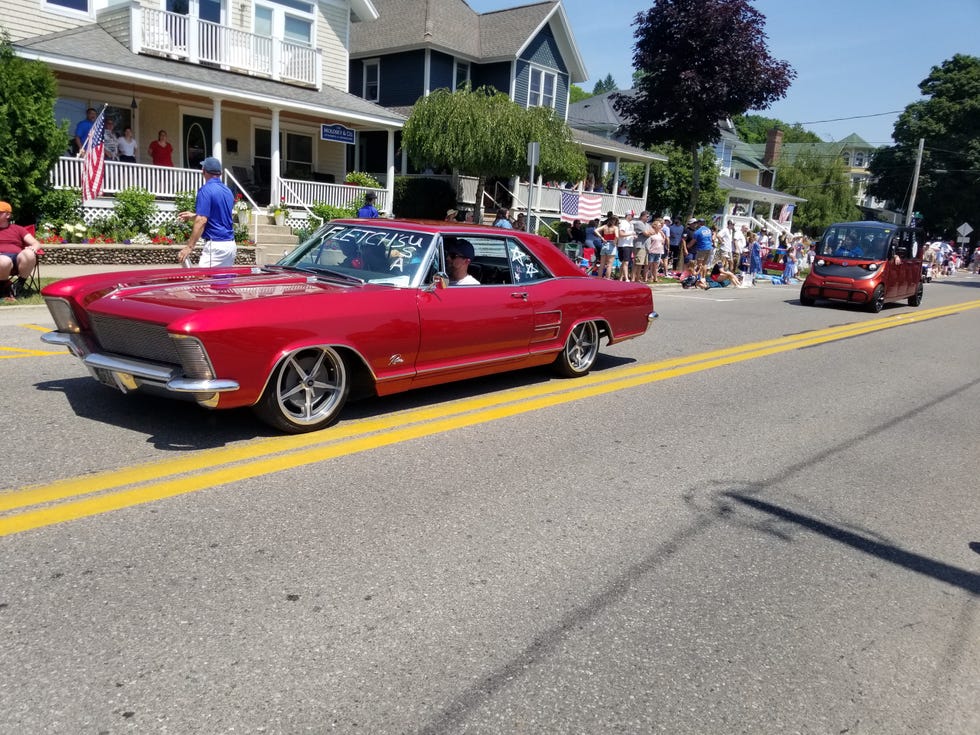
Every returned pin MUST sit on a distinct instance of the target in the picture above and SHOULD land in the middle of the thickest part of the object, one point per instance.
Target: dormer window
(847, 159)
(541, 90)
(859, 159)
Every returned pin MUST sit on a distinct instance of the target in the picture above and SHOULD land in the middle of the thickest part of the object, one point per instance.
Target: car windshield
(856, 241)
(370, 253)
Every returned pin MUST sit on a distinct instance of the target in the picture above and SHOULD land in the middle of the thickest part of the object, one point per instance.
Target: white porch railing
(304, 193)
(200, 41)
(164, 182)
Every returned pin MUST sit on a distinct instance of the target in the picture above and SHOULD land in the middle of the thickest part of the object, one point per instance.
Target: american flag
(93, 165)
(584, 207)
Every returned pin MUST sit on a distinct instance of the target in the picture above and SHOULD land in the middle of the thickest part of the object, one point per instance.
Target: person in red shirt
(18, 252)
(161, 152)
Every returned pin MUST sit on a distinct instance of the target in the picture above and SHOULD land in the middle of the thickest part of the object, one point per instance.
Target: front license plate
(106, 378)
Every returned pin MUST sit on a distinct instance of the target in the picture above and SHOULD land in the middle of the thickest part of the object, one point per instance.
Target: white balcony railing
(300, 192)
(202, 42)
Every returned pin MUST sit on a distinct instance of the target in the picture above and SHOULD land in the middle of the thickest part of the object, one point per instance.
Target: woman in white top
(655, 248)
(127, 146)
(625, 245)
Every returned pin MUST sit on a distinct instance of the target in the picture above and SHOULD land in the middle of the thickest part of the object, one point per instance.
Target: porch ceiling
(90, 50)
(740, 188)
(612, 149)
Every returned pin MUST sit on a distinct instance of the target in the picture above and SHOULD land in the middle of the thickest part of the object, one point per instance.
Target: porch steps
(272, 242)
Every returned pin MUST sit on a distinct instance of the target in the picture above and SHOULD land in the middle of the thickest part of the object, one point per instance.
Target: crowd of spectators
(646, 249)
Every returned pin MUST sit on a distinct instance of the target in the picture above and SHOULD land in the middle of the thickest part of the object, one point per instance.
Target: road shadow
(176, 425)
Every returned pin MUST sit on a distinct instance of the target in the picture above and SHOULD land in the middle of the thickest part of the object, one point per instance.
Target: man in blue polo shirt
(212, 216)
(703, 242)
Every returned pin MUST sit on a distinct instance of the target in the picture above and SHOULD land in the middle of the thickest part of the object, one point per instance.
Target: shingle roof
(449, 25)
(92, 50)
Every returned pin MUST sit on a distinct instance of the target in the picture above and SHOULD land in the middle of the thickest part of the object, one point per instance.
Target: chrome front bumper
(129, 374)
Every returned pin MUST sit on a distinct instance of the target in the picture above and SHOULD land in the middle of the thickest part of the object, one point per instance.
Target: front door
(196, 139)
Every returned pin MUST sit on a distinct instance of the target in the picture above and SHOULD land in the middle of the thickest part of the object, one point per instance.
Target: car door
(470, 329)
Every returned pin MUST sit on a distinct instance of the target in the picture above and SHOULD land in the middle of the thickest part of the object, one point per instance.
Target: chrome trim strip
(59, 339)
(188, 385)
(138, 368)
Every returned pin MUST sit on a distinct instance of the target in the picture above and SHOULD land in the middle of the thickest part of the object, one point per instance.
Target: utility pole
(910, 214)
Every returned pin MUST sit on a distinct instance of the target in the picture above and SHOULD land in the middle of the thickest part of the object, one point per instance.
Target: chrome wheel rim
(311, 385)
(582, 347)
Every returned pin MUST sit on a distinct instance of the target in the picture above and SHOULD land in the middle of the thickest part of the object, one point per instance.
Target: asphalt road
(759, 518)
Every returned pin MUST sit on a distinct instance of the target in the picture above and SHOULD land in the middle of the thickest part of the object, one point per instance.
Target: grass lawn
(33, 298)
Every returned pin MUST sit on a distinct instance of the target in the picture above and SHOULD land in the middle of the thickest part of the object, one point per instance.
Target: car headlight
(821, 262)
(872, 266)
(63, 315)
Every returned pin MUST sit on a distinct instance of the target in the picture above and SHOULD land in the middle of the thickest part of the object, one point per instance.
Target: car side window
(490, 264)
(525, 267)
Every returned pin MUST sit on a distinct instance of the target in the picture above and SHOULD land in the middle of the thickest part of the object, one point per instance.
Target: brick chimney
(774, 144)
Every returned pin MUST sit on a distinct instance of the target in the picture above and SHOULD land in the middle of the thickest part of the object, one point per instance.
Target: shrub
(328, 212)
(359, 178)
(134, 208)
(60, 205)
(421, 198)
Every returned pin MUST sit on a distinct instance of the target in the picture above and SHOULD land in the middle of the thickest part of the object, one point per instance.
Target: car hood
(163, 296)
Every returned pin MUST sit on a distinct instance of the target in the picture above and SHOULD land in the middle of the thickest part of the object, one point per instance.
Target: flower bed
(94, 254)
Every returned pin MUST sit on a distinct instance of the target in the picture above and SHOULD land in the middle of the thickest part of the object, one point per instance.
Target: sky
(856, 59)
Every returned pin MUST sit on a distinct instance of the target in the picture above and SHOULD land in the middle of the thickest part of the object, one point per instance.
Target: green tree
(755, 129)
(483, 133)
(30, 139)
(948, 119)
(826, 187)
(576, 94)
(670, 182)
(702, 61)
(605, 85)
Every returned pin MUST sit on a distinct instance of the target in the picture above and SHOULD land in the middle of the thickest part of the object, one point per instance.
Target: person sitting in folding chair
(18, 253)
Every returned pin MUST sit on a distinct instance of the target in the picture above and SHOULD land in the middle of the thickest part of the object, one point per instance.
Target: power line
(853, 117)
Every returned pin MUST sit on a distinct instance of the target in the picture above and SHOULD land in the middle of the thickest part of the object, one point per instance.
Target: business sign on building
(337, 133)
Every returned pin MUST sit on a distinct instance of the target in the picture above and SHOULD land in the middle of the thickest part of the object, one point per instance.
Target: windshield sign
(856, 241)
(371, 254)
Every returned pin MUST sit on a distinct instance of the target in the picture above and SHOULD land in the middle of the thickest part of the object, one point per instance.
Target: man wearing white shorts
(213, 224)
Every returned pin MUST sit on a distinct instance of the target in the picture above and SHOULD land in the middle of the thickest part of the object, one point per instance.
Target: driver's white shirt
(466, 280)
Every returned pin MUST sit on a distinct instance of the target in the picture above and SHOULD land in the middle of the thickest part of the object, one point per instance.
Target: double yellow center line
(44, 505)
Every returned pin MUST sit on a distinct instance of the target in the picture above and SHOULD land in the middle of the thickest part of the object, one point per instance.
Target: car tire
(877, 302)
(806, 300)
(307, 391)
(580, 351)
(916, 298)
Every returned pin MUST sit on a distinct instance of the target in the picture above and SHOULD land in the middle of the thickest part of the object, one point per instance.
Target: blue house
(528, 52)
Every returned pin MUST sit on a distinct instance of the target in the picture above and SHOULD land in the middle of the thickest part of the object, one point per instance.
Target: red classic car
(362, 307)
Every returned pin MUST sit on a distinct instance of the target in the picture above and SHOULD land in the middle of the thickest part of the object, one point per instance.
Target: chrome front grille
(134, 339)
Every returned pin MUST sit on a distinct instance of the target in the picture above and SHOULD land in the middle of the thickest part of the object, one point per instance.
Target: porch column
(646, 184)
(390, 182)
(615, 186)
(216, 135)
(275, 157)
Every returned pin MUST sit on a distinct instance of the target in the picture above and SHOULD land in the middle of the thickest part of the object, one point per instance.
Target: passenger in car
(459, 254)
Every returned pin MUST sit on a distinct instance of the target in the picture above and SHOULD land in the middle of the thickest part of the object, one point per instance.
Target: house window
(80, 6)
(287, 20)
(847, 159)
(859, 160)
(462, 72)
(372, 81)
(295, 155)
(542, 88)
